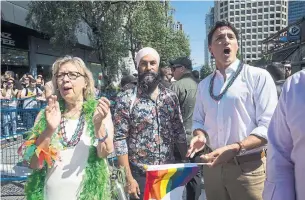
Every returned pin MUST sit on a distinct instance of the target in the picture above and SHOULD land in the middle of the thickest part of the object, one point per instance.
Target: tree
(205, 71)
(62, 20)
(115, 28)
(149, 23)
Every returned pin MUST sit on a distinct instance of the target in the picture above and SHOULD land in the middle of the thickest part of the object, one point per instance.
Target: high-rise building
(296, 10)
(209, 23)
(177, 26)
(255, 21)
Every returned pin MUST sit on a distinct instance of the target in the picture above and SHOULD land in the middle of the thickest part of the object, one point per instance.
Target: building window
(237, 19)
(278, 8)
(283, 16)
(242, 19)
(272, 9)
(253, 55)
(271, 16)
(249, 49)
(278, 15)
(278, 2)
(260, 30)
(253, 23)
(232, 13)
(243, 12)
(248, 5)
(236, 25)
(253, 48)
(260, 3)
(265, 9)
(249, 36)
(226, 3)
(221, 4)
(254, 4)
(232, 7)
(226, 15)
(248, 17)
(254, 10)
(265, 36)
(266, 3)
(221, 16)
(236, 6)
(272, 2)
(271, 28)
(254, 30)
(260, 23)
(248, 30)
(272, 22)
(265, 23)
(236, 12)
(226, 9)
(253, 42)
(232, 19)
(266, 29)
(248, 43)
(254, 17)
(221, 10)
(248, 11)
(260, 16)
(278, 28)
(260, 36)
(248, 56)
(253, 36)
(242, 5)
(260, 10)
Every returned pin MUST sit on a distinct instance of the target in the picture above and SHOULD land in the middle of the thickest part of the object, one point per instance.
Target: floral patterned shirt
(147, 130)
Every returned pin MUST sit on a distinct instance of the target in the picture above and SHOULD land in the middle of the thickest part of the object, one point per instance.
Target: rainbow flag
(166, 182)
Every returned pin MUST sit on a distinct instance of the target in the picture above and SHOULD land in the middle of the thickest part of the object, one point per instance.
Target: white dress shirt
(286, 147)
(245, 109)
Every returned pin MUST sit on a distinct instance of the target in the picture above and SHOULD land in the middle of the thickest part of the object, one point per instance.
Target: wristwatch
(242, 149)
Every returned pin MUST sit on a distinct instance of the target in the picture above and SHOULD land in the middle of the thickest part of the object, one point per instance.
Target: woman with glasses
(71, 139)
(8, 106)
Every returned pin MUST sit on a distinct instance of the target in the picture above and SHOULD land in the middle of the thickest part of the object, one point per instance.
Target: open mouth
(226, 51)
(67, 88)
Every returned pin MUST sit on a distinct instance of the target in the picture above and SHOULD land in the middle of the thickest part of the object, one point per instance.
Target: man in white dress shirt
(233, 109)
(286, 144)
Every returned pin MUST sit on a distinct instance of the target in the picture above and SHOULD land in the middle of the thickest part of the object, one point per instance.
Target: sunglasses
(174, 67)
(9, 83)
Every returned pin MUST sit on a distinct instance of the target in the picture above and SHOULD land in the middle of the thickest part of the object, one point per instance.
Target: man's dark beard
(148, 81)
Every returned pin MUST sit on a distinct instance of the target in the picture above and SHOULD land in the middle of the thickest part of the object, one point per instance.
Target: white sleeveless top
(63, 180)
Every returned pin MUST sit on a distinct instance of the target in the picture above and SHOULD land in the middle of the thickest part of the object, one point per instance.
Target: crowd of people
(164, 116)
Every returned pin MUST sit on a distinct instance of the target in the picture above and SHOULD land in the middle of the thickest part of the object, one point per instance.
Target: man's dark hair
(221, 24)
(195, 74)
(277, 71)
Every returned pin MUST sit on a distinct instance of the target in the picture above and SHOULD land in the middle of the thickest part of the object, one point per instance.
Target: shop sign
(14, 40)
(6, 39)
(294, 33)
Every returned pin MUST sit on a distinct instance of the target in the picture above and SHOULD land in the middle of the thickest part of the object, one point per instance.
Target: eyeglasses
(71, 75)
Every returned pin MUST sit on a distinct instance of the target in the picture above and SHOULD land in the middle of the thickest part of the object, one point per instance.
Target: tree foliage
(115, 28)
(205, 71)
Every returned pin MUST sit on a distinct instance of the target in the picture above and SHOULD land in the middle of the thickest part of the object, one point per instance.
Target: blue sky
(192, 16)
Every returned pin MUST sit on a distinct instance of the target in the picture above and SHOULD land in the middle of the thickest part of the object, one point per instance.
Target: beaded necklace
(77, 134)
(219, 97)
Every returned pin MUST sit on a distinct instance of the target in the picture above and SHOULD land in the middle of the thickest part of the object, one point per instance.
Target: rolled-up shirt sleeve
(265, 99)
(280, 182)
(121, 125)
(199, 112)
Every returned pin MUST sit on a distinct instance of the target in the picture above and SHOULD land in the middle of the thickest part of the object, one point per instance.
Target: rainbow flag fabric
(166, 182)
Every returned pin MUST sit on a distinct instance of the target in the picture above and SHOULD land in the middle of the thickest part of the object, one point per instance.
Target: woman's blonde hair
(80, 65)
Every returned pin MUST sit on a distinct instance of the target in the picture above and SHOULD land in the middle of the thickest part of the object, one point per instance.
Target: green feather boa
(96, 180)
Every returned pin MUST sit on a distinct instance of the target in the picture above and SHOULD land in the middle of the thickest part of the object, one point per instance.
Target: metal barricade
(17, 117)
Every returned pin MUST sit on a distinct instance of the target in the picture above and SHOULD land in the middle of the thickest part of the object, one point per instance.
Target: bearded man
(148, 123)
